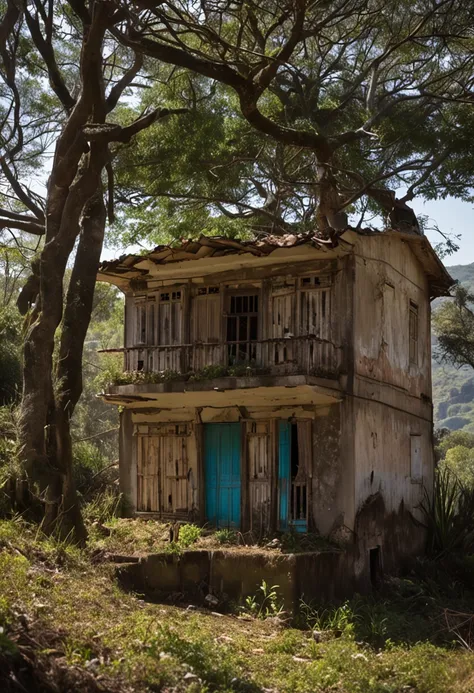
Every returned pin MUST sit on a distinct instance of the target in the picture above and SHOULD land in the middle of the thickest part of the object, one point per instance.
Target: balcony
(291, 356)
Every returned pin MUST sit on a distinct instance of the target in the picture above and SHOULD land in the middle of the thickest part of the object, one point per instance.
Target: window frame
(413, 332)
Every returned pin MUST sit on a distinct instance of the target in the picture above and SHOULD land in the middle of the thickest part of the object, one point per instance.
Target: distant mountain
(453, 388)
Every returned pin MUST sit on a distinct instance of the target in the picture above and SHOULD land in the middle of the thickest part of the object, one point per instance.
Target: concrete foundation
(235, 575)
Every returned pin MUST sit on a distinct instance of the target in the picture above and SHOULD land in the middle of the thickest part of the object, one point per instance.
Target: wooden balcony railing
(295, 355)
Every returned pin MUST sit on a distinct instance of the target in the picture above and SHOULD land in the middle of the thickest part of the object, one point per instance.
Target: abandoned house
(280, 385)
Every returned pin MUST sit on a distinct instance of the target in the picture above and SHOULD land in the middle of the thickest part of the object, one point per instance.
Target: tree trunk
(75, 178)
(329, 217)
(77, 315)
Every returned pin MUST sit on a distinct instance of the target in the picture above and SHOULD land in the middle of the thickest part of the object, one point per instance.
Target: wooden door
(222, 474)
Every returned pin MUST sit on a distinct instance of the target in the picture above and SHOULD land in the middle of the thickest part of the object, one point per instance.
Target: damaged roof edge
(216, 246)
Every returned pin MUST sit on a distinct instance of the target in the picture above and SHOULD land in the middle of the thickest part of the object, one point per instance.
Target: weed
(226, 536)
(265, 603)
(103, 507)
(189, 534)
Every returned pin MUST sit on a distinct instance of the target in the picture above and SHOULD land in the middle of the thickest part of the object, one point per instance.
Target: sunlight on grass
(359, 648)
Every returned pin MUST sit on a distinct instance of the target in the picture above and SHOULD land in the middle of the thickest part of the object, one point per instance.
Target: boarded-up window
(140, 322)
(315, 306)
(145, 320)
(413, 332)
(206, 315)
(163, 471)
(283, 327)
(314, 317)
(206, 320)
(416, 459)
(170, 317)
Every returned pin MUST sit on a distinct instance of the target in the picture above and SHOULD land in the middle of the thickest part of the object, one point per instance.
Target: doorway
(222, 474)
(292, 477)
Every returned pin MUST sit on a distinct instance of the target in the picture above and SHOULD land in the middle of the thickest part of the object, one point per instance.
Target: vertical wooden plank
(245, 475)
(198, 432)
(273, 473)
(185, 365)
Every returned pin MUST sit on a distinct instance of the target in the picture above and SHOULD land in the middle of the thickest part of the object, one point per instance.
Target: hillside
(453, 389)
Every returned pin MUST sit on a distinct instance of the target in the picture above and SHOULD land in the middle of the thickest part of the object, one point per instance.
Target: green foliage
(110, 377)
(104, 506)
(189, 534)
(394, 642)
(114, 375)
(453, 325)
(10, 354)
(93, 418)
(265, 603)
(449, 515)
(226, 536)
(459, 460)
(88, 462)
(453, 385)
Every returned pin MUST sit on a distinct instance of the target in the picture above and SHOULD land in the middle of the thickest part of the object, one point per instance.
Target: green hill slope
(453, 389)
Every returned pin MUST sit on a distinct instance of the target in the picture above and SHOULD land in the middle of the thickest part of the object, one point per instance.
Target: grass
(134, 537)
(80, 620)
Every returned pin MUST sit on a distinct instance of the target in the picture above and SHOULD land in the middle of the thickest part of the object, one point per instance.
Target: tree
(351, 99)
(88, 72)
(453, 325)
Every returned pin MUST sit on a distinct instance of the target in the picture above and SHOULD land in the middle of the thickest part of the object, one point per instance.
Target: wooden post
(201, 474)
(244, 479)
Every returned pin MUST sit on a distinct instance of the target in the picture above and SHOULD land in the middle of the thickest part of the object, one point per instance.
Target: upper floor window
(315, 281)
(158, 318)
(242, 327)
(413, 332)
(144, 315)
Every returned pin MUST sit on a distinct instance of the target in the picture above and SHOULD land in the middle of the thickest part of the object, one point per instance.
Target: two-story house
(282, 383)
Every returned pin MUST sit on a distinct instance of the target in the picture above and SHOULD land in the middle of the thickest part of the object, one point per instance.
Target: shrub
(449, 515)
(226, 536)
(88, 462)
(104, 506)
(189, 534)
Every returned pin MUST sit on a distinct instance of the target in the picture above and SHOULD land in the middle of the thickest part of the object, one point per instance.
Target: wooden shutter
(314, 320)
(163, 470)
(169, 330)
(282, 326)
(259, 468)
(206, 320)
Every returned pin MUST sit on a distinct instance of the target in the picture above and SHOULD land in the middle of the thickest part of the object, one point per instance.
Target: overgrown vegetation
(88, 635)
(114, 375)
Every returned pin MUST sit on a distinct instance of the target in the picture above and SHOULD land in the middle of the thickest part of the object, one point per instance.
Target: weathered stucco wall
(332, 476)
(387, 277)
(387, 494)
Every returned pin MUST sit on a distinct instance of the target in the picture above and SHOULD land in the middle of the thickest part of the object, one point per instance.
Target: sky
(452, 217)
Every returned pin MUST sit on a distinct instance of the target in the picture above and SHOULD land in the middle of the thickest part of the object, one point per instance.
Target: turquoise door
(222, 474)
(284, 452)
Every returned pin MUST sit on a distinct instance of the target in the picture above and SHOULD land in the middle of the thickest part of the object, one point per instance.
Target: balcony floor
(230, 391)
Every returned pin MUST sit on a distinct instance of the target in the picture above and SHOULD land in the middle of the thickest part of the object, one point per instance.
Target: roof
(129, 267)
